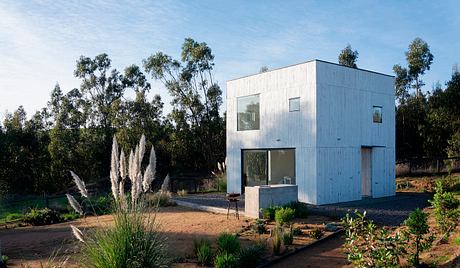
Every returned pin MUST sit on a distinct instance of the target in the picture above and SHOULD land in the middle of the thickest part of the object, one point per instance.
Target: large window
(248, 113)
(377, 114)
(266, 167)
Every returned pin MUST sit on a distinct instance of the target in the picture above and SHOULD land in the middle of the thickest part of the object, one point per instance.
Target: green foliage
(269, 213)
(226, 260)
(228, 243)
(277, 238)
(43, 216)
(4, 259)
(301, 210)
(284, 216)
(100, 205)
(446, 209)
(161, 199)
(348, 57)
(70, 216)
(316, 233)
(288, 236)
(203, 252)
(417, 229)
(259, 226)
(133, 241)
(250, 257)
(362, 235)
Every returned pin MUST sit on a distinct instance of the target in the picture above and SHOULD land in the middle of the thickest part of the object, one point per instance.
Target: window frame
(289, 104)
(237, 112)
(381, 114)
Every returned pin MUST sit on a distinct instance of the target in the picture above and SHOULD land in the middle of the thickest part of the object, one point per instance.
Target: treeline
(74, 131)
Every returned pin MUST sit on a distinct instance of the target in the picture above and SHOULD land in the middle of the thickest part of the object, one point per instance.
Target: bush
(288, 236)
(133, 241)
(228, 243)
(300, 209)
(316, 233)
(203, 252)
(250, 257)
(417, 224)
(446, 211)
(284, 216)
(182, 193)
(161, 199)
(226, 260)
(259, 226)
(269, 213)
(13, 216)
(43, 216)
(362, 235)
(70, 216)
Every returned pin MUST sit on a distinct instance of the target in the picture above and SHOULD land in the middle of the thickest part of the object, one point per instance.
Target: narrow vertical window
(248, 113)
(294, 104)
(377, 114)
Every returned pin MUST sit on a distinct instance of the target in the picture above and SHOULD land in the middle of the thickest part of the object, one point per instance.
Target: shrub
(204, 253)
(288, 236)
(226, 260)
(269, 213)
(4, 259)
(70, 216)
(228, 243)
(446, 210)
(13, 216)
(182, 193)
(296, 231)
(284, 216)
(418, 228)
(250, 257)
(102, 204)
(197, 243)
(316, 233)
(300, 209)
(362, 235)
(43, 216)
(259, 226)
(161, 199)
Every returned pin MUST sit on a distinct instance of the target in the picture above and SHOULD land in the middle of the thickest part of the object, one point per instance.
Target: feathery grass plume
(121, 189)
(114, 169)
(130, 165)
(149, 174)
(74, 204)
(122, 165)
(219, 166)
(141, 150)
(77, 233)
(165, 185)
(80, 184)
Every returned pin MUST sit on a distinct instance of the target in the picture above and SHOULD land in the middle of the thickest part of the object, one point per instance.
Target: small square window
(377, 114)
(294, 104)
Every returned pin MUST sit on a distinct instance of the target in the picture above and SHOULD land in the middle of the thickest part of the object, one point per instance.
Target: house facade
(327, 128)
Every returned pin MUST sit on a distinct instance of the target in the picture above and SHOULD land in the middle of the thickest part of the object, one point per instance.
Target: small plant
(70, 216)
(228, 243)
(417, 229)
(161, 199)
(226, 260)
(362, 235)
(277, 239)
(269, 213)
(4, 260)
(203, 251)
(288, 236)
(446, 211)
(250, 257)
(300, 209)
(259, 226)
(220, 176)
(297, 231)
(182, 193)
(43, 216)
(284, 216)
(316, 233)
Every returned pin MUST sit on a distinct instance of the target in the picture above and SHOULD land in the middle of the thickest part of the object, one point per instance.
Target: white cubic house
(327, 128)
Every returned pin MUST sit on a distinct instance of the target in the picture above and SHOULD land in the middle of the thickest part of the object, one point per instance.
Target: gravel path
(390, 211)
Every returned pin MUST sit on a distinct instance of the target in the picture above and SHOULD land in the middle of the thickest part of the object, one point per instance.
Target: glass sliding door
(268, 166)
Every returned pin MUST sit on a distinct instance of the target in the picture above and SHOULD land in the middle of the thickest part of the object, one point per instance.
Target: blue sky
(40, 41)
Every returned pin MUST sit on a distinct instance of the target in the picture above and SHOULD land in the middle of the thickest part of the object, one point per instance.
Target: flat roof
(308, 62)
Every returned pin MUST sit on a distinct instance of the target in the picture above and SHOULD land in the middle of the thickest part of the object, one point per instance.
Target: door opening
(366, 172)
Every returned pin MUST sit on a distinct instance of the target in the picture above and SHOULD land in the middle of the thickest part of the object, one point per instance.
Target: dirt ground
(28, 246)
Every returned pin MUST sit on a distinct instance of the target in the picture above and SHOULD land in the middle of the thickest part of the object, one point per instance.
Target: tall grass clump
(134, 240)
(221, 176)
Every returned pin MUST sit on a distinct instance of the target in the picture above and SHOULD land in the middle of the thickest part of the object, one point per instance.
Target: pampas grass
(74, 204)
(165, 185)
(77, 233)
(80, 184)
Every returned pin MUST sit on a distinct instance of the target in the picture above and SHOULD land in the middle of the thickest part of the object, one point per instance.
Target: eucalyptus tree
(348, 57)
(196, 100)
